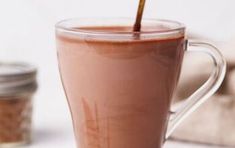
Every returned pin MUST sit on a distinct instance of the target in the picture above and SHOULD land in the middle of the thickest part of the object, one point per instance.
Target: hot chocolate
(120, 90)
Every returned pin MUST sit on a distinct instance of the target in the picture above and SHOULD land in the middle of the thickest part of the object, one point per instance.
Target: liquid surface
(122, 34)
(119, 91)
(110, 29)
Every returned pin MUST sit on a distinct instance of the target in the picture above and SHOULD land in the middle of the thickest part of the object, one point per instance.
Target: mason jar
(17, 86)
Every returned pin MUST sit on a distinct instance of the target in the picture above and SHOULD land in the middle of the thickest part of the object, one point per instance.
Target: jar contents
(15, 119)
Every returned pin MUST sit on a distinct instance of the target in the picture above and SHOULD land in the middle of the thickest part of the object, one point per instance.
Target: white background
(27, 34)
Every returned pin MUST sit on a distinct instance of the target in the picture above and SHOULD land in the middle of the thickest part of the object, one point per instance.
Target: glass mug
(119, 84)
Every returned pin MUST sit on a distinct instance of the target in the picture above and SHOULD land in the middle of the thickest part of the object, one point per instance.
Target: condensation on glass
(17, 86)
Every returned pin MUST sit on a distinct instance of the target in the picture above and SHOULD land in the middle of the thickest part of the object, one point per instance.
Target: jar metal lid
(17, 78)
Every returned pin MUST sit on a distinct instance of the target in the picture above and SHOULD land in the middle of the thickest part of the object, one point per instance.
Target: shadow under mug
(120, 84)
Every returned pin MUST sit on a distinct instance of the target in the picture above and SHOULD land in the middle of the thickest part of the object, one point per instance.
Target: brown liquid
(119, 91)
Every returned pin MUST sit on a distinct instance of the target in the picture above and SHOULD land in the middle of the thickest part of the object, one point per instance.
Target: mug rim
(65, 27)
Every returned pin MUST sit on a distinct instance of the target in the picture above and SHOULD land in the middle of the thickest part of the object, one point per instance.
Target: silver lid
(17, 79)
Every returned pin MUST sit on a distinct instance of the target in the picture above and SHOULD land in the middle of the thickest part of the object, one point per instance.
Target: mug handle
(205, 91)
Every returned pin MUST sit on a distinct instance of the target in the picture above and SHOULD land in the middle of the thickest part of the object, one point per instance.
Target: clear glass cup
(119, 84)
